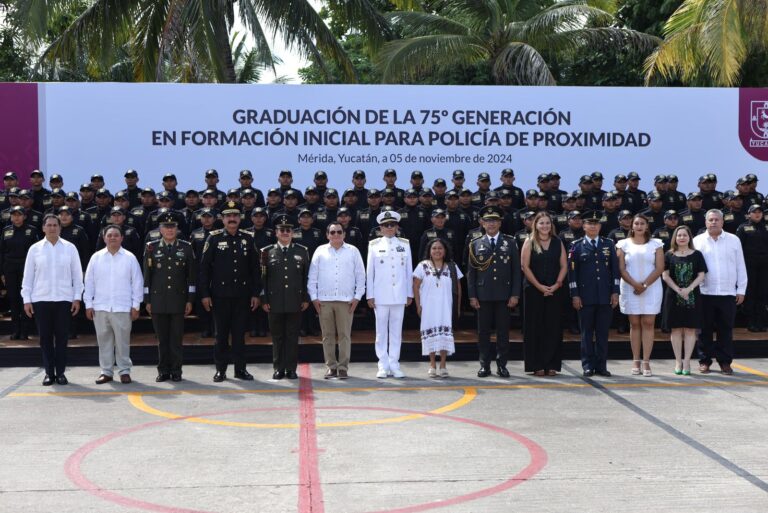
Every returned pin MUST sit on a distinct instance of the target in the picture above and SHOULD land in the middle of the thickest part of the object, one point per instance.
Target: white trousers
(389, 335)
(113, 333)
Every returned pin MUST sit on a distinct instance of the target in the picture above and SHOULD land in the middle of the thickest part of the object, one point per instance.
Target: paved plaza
(461, 444)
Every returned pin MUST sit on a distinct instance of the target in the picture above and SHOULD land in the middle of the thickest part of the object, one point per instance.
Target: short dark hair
(51, 216)
(113, 227)
(333, 223)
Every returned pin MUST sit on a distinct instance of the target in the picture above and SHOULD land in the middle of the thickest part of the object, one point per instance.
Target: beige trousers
(336, 325)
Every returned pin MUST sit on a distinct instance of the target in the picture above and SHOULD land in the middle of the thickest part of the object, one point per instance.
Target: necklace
(439, 272)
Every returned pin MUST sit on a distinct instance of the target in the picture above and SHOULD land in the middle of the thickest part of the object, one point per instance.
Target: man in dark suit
(593, 277)
(170, 277)
(229, 284)
(285, 269)
(493, 282)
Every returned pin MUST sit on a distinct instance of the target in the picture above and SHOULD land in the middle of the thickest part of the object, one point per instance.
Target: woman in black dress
(545, 266)
(684, 270)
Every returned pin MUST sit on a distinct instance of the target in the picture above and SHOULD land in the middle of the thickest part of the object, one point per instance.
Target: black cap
(14, 192)
(343, 210)
(609, 195)
(451, 194)
(620, 178)
(24, 193)
(121, 195)
(670, 213)
(531, 193)
(17, 209)
(358, 173)
(411, 192)
(458, 173)
(508, 172)
(206, 212)
(752, 208)
(167, 218)
(10, 175)
(193, 193)
(492, 196)
(116, 210)
(64, 209)
(483, 177)
(632, 175)
(439, 182)
(417, 174)
(233, 192)
(374, 193)
(574, 213)
(712, 177)
(388, 192)
(426, 192)
(654, 196)
(57, 192)
(349, 192)
(259, 211)
(284, 172)
(331, 192)
(274, 191)
(55, 178)
(282, 220)
(36, 172)
(147, 190)
(97, 176)
(694, 195)
(246, 173)
(554, 175)
(597, 175)
(543, 177)
(211, 172)
(625, 213)
(130, 173)
(585, 179)
(390, 172)
(504, 193)
(527, 215)
(208, 192)
(103, 192)
(169, 176)
(751, 178)
(491, 212)
(660, 179)
(290, 193)
(230, 207)
(672, 178)
(311, 189)
(164, 196)
(72, 195)
(305, 212)
(321, 175)
(591, 216)
(438, 212)
(741, 181)
(86, 187)
(465, 192)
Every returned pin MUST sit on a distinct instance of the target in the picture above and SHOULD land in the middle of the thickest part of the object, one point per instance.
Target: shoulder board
(374, 241)
(577, 241)
(505, 236)
(8, 232)
(265, 249)
(476, 235)
(217, 232)
(402, 239)
(242, 231)
(296, 235)
(184, 242)
(301, 246)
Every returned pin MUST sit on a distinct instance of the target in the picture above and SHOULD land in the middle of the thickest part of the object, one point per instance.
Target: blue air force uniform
(593, 276)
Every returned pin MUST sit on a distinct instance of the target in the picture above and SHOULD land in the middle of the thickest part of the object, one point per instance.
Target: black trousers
(718, 315)
(53, 318)
(285, 340)
(169, 329)
(491, 312)
(231, 318)
(14, 273)
(757, 291)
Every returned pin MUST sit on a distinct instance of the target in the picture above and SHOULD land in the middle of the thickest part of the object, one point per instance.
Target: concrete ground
(462, 444)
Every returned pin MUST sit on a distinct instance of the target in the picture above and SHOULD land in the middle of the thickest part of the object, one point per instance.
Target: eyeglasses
(284, 230)
(336, 232)
(389, 225)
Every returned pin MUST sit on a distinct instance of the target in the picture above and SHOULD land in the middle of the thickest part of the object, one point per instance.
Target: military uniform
(493, 278)
(14, 245)
(593, 276)
(170, 276)
(229, 275)
(285, 270)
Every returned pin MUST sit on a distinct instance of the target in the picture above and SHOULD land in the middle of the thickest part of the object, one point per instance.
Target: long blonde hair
(534, 236)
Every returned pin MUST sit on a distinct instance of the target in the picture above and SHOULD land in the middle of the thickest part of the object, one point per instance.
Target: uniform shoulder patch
(374, 241)
(403, 239)
(476, 235)
(217, 232)
(184, 242)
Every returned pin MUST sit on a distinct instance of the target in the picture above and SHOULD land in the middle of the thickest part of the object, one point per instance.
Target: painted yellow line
(136, 400)
(750, 370)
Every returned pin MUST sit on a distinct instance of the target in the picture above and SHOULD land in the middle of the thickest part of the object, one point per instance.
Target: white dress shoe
(382, 373)
(397, 373)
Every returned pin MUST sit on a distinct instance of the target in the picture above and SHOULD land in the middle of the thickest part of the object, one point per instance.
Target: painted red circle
(537, 453)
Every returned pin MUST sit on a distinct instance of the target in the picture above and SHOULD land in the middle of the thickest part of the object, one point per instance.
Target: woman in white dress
(641, 263)
(434, 282)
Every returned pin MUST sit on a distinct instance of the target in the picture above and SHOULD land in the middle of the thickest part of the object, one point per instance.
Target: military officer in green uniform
(170, 275)
(285, 270)
(493, 282)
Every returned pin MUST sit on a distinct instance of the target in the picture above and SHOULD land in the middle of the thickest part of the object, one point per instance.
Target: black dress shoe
(219, 376)
(176, 377)
(162, 377)
(589, 373)
(502, 371)
(278, 374)
(244, 375)
(61, 379)
(484, 372)
(253, 333)
(604, 373)
(48, 380)
(291, 374)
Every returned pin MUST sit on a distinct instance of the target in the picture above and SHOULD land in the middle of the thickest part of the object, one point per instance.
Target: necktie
(594, 244)
(493, 244)
(285, 251)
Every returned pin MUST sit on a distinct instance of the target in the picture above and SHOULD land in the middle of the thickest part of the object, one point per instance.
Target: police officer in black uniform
(246, 182)
(198, 238)
(14, 245)
(41, 197)
(170, 276)
(483, 188)
(211, 181)
(508, 182)
(390, 179)
(754, 241)
(711, 197)
(655, 211)
(593, 277)
(620, 189)
(664, 233)
(693, 216)
(493, 282)
(638, 195)
(440, 231)
(169, 186)
(677, 199)
(413, 221)
(230, 283)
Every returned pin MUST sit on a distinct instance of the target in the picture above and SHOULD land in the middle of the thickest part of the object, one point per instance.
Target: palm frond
(35, 15)
(409, 58)
(251, 21)
(604, 39)
(481, 15)
(414, 24)
(676, 57)
(519, 63)
(722, 42)
(564, 16)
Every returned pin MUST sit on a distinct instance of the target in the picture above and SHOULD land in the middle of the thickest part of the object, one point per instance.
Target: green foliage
(647, 16)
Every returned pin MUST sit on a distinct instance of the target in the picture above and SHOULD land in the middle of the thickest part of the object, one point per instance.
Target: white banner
(186, 129)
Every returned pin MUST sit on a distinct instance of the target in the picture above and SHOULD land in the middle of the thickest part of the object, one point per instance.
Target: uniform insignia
(400, 249)
(607, 251)
(687, 218)
(29, 231)
(298, 257)
(749, 228)
(8, 232)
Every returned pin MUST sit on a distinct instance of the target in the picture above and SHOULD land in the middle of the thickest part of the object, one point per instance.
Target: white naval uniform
(389, 284)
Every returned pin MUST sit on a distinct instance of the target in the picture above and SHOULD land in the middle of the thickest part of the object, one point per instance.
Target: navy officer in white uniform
(389, 289)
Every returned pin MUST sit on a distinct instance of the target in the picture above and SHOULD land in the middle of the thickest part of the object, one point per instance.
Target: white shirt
(494, 240)
(52, 272)
(113, 283)
(330, 274)
(726, 271)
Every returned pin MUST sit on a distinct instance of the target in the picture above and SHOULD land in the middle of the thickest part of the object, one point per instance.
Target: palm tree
(708, 42)
(163, 33)
(513, 38)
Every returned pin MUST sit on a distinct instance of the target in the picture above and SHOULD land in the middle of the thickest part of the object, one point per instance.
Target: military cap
(64, 210)
(343, 211)
(531, 193)
(10, 175)
(116, 210)
(491, 212)
(311, 189)
(86, 187)
(259, 211)
(694, 195)
(121, 195)
(208, 192)
(660, 179)
(321, 175)
(167, 218)
(752, 208)
(573, 214)
(670, 213)
(270, 192)
(374, 193)
(18, 209)
(164, 196)
(57, 192)
(305, 212)
(358, 173)
(554, 175)
(543, 177)
(458, 173)
(36, 172)
(597, 175)
(211, 172)
(508, 172)
(672, 178)
(482, 177)
(585, 179)
(331, 192)
(654, 196)
(390, 172)
(230, 207)
(349, 192)
(147, 190)
(388, 192)
(72, 195)
(246, 173)
(97, 177)
(206, 212)
(451, 194)
(130, 173)
(411, 192)
(286, 172)
(632, 175)
(417, 174)
(25, 193)
(169, 176)
(56, 178)
(193, 193)
(751, 178)
(439, 182)
(388, 216)
(625, 213)
(426, 192)
(282, 221)
(438, 212)
(609, 195)
(591, 216)
(620, 178)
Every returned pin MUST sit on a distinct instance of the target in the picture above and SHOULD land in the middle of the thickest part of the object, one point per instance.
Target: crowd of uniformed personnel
(447, 209)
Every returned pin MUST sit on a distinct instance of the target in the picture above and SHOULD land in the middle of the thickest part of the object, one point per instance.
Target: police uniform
(229, 275)
(493, 279)
(754, 243)
(170, 276)
(389, 285)
(14, 245)
(593, 276)
(285, 270)
(197, 238)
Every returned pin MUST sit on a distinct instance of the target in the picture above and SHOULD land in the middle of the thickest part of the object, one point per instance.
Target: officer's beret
(438, 212)
(585, 179)
(543, 177)
(282, 220)
(321, 175)
(258, 211)
(373, 193)
(632, 175)
(10, 175)
(147, 190)
(36, 172)
(508, 172)
(131, 173)
(246, 173)
(230, 207)
(482, 177)
(458, 173)
(417, 174)
(211, 172)
(388, 216)
(670, 213)
(591, 216)
(694, 195)
(18, 209)
(286, 172)
(331, 192)
(753, 208)
(358, 173)
(491, 212)
(167, 218)
(390, 172)
(169, 176)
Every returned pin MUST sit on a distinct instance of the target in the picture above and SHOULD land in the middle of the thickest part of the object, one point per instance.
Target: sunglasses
(336, 232)
(389, 225)
(284, 230)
